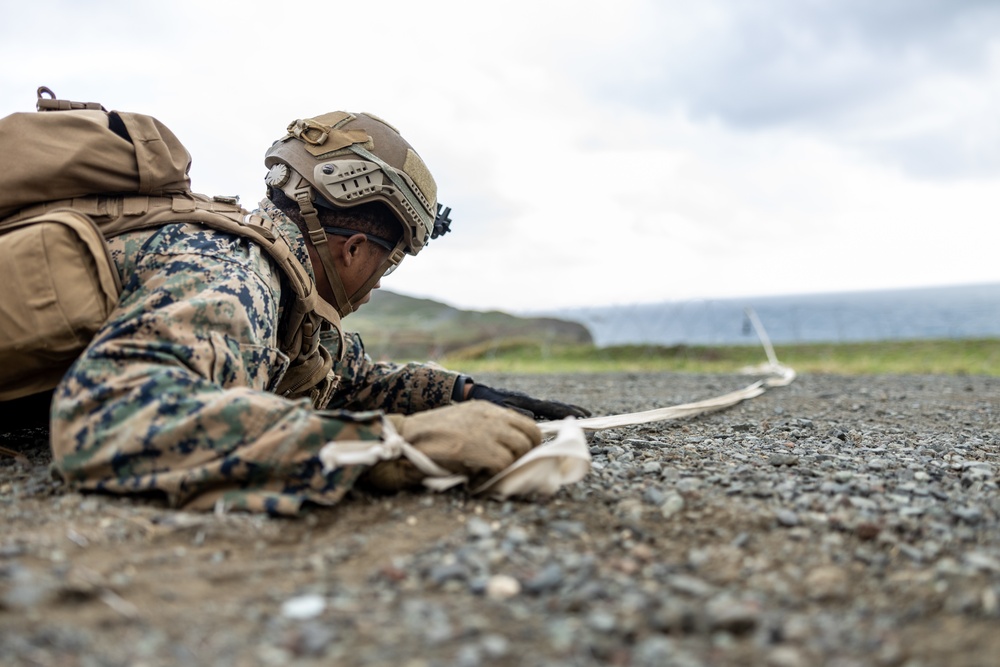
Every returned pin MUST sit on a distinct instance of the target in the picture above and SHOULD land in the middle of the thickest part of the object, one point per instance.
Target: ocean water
(971, 311)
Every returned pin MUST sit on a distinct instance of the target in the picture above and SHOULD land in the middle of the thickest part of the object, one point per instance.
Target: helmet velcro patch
(415, 168)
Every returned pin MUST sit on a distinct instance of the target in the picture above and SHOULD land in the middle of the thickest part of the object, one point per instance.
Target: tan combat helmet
(339, 160)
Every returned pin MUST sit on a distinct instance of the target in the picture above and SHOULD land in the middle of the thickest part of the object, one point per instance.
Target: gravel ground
(839, 521)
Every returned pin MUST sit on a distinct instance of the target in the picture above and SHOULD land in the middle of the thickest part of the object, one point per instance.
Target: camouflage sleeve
(172, 396)
(400, 388)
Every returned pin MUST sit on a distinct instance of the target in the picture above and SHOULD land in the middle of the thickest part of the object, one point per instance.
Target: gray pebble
(653, 496)
(787, 517)
(690, 585)
(601, 621)
(783, 460)
(443, 572)
(731, 615)
(476, 527)
(673, 504)
(548, 578)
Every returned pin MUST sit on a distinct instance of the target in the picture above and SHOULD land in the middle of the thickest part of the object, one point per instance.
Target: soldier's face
(361, 272)
(360, 264)
(356, 259)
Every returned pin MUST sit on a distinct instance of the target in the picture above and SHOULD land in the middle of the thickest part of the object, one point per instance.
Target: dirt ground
(838, 521)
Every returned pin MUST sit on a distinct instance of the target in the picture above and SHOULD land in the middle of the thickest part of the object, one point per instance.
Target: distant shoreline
(951, 312)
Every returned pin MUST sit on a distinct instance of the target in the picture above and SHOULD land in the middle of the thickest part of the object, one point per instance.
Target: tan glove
(473, 438)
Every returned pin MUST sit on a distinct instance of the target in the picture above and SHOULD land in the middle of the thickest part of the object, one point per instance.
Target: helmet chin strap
(318, 238)
(344, 304)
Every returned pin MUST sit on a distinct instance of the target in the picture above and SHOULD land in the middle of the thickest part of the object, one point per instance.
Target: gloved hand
(526, 405)
(474, 438)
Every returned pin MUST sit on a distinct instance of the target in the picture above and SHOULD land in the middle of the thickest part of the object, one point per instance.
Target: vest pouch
(58, 285)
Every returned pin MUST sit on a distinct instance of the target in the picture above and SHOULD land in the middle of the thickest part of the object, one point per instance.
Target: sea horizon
(948, 312)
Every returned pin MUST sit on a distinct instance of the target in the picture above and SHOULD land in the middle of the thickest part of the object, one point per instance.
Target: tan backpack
(82, 175)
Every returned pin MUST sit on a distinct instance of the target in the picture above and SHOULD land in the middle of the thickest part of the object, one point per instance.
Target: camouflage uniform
(174, 394)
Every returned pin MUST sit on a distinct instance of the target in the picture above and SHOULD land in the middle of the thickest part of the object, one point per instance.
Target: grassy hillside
(949, 357)
(400, 327)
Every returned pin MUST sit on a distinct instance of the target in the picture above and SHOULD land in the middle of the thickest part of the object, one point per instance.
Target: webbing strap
(321, 244)
(564, 459)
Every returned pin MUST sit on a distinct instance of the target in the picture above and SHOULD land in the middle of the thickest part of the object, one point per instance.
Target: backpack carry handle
(50, 103)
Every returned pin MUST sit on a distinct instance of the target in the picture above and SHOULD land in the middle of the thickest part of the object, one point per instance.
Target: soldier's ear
(351, 249)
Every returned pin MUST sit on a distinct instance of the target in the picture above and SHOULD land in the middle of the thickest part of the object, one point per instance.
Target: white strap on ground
(565, 458)
(782, 376)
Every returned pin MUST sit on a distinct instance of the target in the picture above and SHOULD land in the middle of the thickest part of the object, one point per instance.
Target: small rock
(442, 572)
(643, 553)
(866, 530)
(863, 503)
(787, 517)
(429, 619)
(25, 588)
(303, 607)
(469, 655)
(827, 582)
(655, 651)
(653, 496)
(652, 468)
(990, 602)
(478, 528)
(312, 638)
(629, 510)
(571, 528)
(673, 504)
(688, 484)
(517, 535)
(601, 621)
(495, 646)
(786, 656)
(693, 586)
(783, 460)
(970, 515)
(550, 577)
(11, 550)
(735, 616)
(982, 561)
(674, 616)
(502, 587)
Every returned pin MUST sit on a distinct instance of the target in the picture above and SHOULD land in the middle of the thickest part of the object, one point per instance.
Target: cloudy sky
(593, 153)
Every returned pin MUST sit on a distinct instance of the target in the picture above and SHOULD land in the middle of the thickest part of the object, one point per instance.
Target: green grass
(947, 357)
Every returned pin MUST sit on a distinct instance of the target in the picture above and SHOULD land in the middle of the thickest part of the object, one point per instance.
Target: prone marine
(184, 393)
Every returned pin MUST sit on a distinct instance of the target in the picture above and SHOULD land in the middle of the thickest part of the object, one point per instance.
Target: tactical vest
(67, 173)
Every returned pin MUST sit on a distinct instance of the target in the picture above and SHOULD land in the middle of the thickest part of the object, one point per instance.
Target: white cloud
(592, 154)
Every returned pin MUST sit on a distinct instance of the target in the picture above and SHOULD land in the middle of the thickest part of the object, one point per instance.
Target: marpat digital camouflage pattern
(174, 394)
